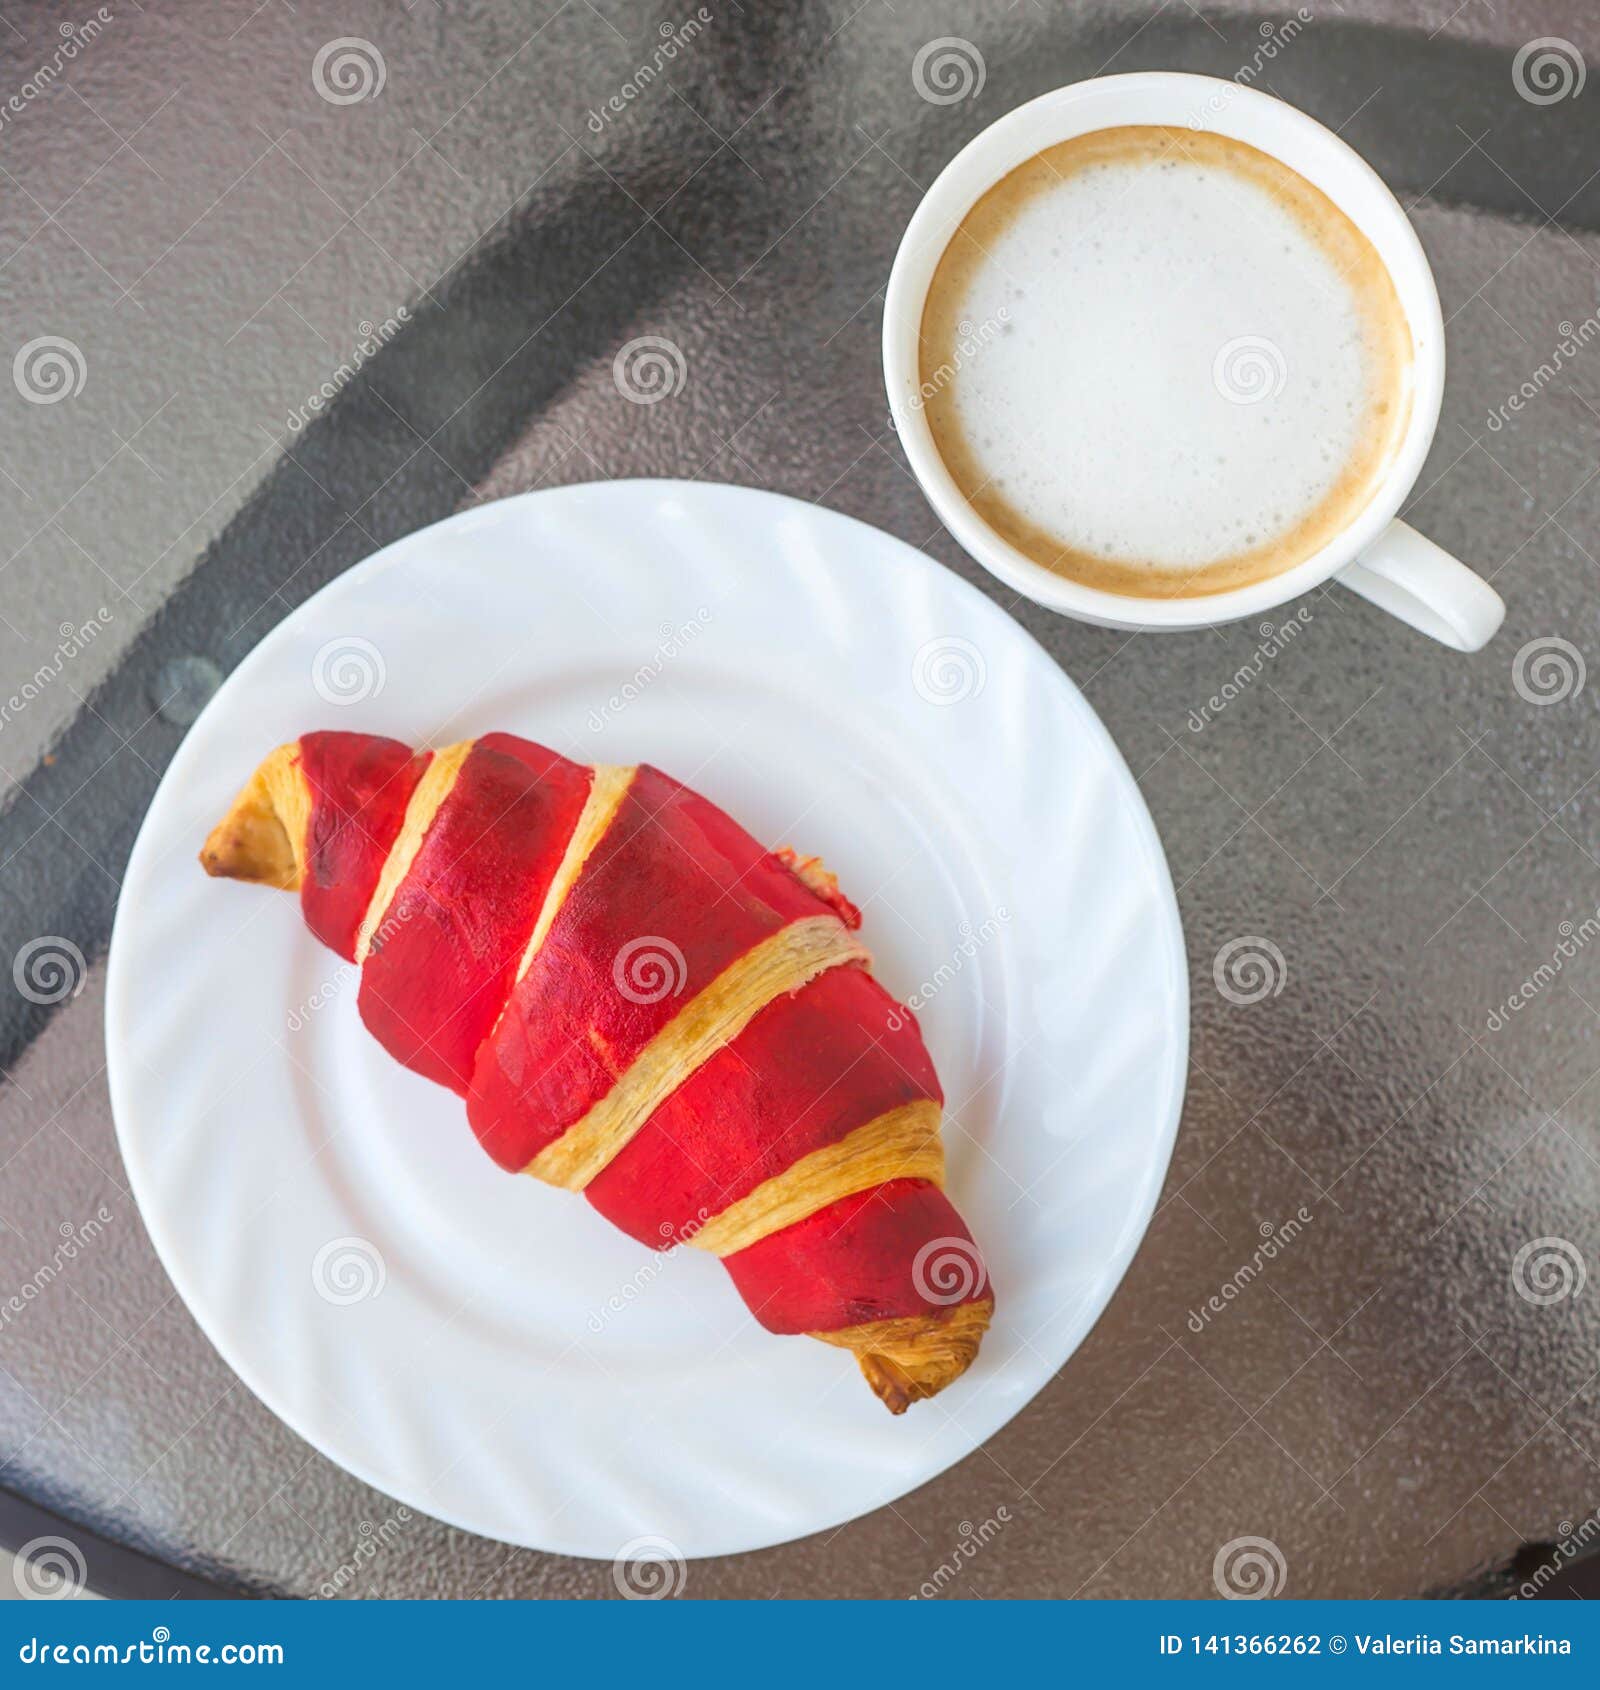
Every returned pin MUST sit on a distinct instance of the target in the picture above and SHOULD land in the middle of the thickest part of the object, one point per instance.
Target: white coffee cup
(1375, 555)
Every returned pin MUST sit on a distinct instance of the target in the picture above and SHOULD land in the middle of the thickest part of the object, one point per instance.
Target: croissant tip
(236, 854)
(256, 840)
(911, 1359)
(891, 1385)
(219, 857)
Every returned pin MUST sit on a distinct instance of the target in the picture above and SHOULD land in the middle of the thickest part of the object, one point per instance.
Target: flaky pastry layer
(916, 1356)
(783, 963)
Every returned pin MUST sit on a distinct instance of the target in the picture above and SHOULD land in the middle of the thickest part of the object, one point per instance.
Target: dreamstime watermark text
(1574, 936)
(73, 1239)
(1274, 641)
(1274, 38)
(1574, 338)
(1274, 1241)
(74, 38)
(673, 641)
(347, 973)
(373, 339)
(971, 339)
(73, 642)
(621, 1300)
(674, 39)
(973, 939)
(371, 1541)
(156, 1650)
(1572, 1542)
(970, 1543)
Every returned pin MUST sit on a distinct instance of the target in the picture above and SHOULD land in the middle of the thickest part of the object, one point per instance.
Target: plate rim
(909, 559)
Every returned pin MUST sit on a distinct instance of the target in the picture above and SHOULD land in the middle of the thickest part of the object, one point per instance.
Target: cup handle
(1404, 573)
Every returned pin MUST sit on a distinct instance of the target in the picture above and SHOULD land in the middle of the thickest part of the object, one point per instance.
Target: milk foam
(1163, 364)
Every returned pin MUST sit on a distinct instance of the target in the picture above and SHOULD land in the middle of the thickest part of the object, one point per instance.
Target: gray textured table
(1406, 1394)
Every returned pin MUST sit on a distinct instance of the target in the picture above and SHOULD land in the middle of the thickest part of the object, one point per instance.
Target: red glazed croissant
(640, 1003)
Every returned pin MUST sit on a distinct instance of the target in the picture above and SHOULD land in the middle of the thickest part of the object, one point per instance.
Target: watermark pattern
(374, 337)
(74, 1237)
(1274, 38)
(49, 1569)
(348, 70)
(1548, 70)
(1274, 1241)
(1275, 639)
(49, 970)
(74, 640)
(1548, 1270)
(1573, 939)
(973, 940)
(74, 38)
(948, 670)
(1248, 969)
(948, 70)
(1248, 369)
(349, 1270)
(649, 1569)
(347, 973)
(971, 339)
(49, 369)
(674, 38)
(947, 1271)
(1575, 337)
(299, 1018)
(1548, 670)
(971, 1542)
(619, 1302)
(673, 642)
(649, 369)
(370, 1543)
(1573, 1541)
(650, 968)
(348, 670)
(1249, 1569)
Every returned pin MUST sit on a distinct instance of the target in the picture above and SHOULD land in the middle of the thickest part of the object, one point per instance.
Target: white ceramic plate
(485, 1348)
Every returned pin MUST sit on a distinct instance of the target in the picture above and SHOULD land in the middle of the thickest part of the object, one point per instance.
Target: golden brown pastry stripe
(431, 792)
(782, 963)
(902, 1144)
(611, 782)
